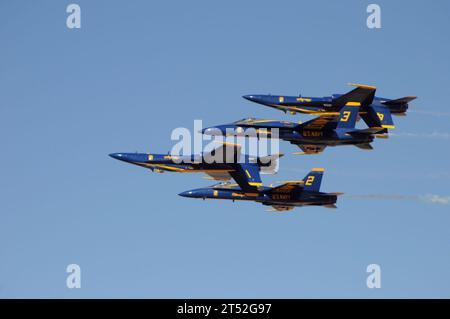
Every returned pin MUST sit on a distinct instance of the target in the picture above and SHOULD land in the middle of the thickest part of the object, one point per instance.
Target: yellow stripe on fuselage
(255, 184)
(170, 168)
(188, 170)
(237, 195)
(312, 112)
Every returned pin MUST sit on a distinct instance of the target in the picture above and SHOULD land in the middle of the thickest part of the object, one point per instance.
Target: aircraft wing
(319, 123)
(225, 153)
(361, 96)
(218, 176)
(280, 208)
(310, 149)
(287, 186)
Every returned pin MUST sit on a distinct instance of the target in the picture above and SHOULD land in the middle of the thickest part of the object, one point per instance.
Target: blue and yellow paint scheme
(223, 163)
(312, 136)
(374, 110)
(283, 197)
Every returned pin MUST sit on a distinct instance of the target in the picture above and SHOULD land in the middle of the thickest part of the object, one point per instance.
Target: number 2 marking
(309, 181)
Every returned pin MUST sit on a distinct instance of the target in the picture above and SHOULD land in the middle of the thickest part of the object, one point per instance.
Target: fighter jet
(312, 136)
(222, 164)
(283, 197)
(328, 105)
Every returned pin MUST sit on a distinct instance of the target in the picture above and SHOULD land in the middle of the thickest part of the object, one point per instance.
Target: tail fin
(347, 116)
(378, 116)
(363, 95)
(247, 176)
(313, 179)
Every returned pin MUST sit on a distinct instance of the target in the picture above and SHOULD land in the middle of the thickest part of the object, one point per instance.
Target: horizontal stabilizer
(336, 194)
(331, 206)
(402, 100)
(310, 149)
(365, 146)
(371, 130)
(319, 195)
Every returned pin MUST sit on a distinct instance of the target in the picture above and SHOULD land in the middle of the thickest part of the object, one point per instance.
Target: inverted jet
(328, 105)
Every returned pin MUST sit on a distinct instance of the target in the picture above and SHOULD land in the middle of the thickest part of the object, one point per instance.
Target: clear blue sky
(138, 69)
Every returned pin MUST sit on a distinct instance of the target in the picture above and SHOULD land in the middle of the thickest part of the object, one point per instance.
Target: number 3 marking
(345, 116)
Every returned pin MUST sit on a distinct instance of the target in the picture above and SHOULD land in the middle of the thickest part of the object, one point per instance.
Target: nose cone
(185, 194)
(117, 156)
(197, 193)
(191, 194)
(260, 99)
(253, 98)
(130, 157)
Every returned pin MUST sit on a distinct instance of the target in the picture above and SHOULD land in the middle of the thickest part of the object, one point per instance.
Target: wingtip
(363, 86)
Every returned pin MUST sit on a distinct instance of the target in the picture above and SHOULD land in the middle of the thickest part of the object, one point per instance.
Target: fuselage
(313, 105)
(291, 132)
(186, 164)
(264, 195)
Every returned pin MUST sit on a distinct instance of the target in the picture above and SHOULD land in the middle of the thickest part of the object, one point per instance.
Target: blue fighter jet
(283, 197)
(221, 164)
(371, 113)
(312, 136)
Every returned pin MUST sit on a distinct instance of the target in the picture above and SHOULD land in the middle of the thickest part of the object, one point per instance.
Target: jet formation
(334, 125)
